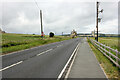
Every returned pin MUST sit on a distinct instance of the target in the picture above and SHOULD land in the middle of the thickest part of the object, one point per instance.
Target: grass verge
(16, 42)
(110, 69)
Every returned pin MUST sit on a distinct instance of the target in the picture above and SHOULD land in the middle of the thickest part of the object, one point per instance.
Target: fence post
(116, 57)
(107, 50)
(110, 52)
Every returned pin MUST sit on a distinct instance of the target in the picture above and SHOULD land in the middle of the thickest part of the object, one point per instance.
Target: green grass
(110, 41)
(15, 42)
(110, 69)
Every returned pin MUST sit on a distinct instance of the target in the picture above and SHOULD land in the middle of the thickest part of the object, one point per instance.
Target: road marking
(44, 52)
(11, 66)
(25, 49)
(68, 72)
(61, 73)
(59, 46)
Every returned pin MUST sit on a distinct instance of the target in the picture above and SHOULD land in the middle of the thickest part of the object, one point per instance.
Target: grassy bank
(110, 69)
(15, 42)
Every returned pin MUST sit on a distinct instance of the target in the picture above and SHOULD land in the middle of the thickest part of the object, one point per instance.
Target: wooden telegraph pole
(41, 23)
(97, 21)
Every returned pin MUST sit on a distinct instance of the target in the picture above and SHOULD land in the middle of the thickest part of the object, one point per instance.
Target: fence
(111, 54)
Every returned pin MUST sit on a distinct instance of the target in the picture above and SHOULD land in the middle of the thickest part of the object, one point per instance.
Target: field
(15, 42)
(110, 69)
(110, 41)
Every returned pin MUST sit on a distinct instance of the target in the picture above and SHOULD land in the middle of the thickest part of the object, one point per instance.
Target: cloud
(61, 16)
(110, 26)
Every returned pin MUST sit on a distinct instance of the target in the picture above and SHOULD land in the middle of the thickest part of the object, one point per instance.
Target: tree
(51, 34)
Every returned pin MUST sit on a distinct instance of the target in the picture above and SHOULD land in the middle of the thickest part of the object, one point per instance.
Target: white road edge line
(68, 72)
(11, 66)
(60, 75)
(44, 52)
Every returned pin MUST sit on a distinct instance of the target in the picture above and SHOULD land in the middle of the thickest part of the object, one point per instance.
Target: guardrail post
(116, 57)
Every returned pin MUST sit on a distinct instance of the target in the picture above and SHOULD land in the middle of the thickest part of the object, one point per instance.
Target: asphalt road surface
(45, 61)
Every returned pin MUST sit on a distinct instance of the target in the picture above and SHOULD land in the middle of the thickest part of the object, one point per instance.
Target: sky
(22, 16)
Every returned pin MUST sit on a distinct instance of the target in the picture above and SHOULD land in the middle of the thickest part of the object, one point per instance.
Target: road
(45, 61)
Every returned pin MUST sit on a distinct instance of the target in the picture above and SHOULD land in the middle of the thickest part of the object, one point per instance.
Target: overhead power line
(37, 5)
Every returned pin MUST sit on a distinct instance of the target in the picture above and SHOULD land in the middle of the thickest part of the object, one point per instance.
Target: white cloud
(110, 26)
(58, 16)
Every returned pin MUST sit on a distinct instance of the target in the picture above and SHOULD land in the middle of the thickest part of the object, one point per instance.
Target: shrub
(51, 34)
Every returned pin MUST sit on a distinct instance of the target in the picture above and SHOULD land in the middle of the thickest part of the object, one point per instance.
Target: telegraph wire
(42, 34)
(37, 5)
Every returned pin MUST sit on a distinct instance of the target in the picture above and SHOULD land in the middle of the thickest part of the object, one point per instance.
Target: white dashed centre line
(11, 66)
(22, 61)
(44, 52)
(59, 45)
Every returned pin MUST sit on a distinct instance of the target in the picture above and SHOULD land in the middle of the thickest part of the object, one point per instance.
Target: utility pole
(97, 19)
(41, 23)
